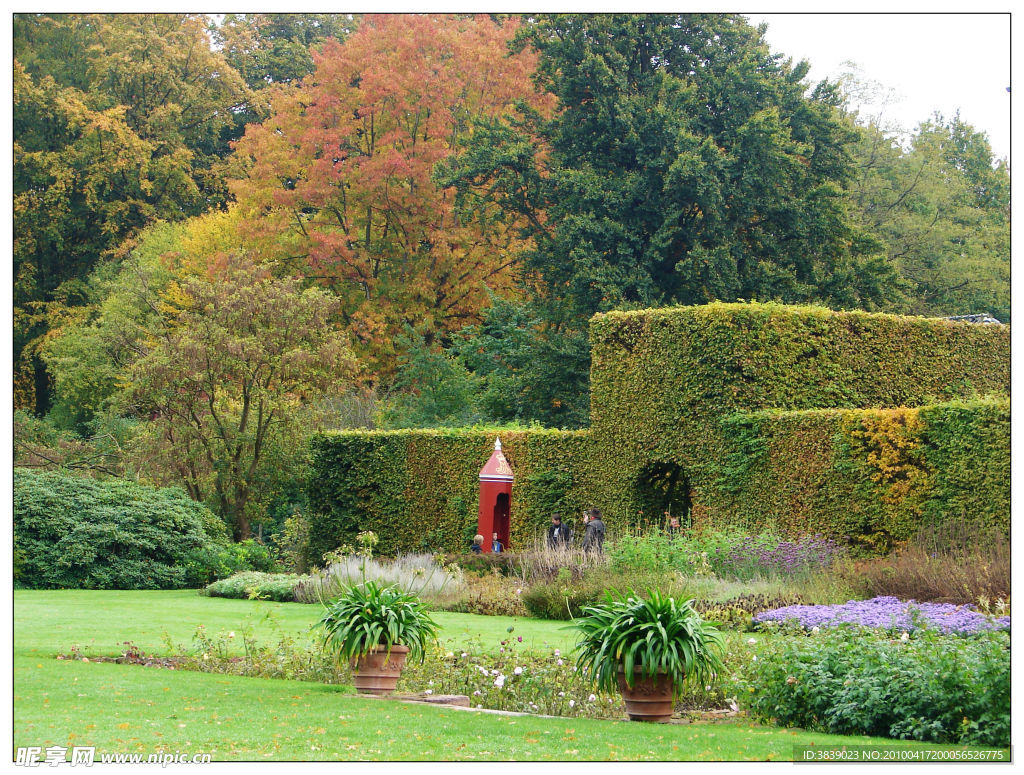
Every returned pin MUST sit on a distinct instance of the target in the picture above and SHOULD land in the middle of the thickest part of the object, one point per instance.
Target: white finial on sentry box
(497, 445)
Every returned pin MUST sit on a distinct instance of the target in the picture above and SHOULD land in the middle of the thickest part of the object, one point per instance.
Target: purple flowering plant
(889, 613)
(745, 557)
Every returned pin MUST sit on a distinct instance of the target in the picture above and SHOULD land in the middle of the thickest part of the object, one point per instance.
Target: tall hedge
(874, 475)
(77, 533)
(663, 381)
(419, 489)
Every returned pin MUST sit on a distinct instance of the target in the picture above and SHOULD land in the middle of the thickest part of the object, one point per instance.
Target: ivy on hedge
(77, 533)
(871, 474)
(419, 489)
(684, 387)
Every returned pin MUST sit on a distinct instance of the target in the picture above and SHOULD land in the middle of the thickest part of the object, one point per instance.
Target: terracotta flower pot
(378, 672)
(650, 699)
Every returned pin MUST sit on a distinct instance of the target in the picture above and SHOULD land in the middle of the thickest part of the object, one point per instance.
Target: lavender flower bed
(890, 614)
(754, 555)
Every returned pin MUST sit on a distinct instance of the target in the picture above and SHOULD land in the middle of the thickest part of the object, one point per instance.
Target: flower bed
(751, 556)
(889, 613)
(853, 680)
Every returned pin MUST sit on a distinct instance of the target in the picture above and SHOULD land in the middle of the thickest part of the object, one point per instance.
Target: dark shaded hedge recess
(77, 533)
(874, 475)
(666, 385)
(418, 489)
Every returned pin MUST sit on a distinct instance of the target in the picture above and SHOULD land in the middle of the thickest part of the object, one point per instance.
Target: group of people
(560, 534)
(478, 544)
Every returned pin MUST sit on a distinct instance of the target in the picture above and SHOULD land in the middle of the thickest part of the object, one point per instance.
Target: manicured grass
(99, 621)
(130, 709)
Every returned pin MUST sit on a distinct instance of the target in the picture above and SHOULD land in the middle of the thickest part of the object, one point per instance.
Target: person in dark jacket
(593, 537)
(478, 544)
(559, 535)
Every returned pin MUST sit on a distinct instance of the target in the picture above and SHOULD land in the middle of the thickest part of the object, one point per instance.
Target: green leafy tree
(117, 123)
(233, 360)
(269, 48)
(685, 164)
(940, 206)
(432, 388)
(527, 369)
(274, 48)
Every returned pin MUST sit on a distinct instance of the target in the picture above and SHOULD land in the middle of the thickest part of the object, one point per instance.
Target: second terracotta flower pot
(378, 672)
(651, 697)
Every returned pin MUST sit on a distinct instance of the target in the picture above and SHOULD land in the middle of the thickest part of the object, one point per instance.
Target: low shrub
(652, 550)
(293, 542)
(565, 596)
(419, 574)
(490, 595)
(484, 564)
(210, 563)
(77, 533)
(961, 562)
(561, 599)
(254, 585)
(853, 681)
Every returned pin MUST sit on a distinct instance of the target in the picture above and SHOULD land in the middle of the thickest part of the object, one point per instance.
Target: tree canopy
(339, 181)
(117, 123)
(684, 164)
(229, 230)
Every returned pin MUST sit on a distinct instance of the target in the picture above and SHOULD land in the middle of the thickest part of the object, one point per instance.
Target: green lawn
(128, 709)
(99, 622)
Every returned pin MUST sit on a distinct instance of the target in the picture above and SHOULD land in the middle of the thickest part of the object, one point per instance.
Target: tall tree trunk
(239, 518)
(43, 391)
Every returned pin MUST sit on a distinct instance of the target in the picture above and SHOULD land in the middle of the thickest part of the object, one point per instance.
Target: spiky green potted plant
(646, 649)
(376, 628)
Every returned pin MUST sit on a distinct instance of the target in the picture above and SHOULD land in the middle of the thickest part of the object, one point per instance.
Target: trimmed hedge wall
(419, 489)
(663, 380)
(763, 415)
(77, 533)
(874, 475)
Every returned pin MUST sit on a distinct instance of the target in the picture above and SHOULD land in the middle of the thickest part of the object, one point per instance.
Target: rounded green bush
(78, 533)
(854, 681)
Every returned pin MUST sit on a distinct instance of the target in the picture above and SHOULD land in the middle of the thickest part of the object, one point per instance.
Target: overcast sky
(933, 61)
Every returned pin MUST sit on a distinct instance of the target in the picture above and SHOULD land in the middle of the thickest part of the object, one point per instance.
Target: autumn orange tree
(339, 184)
